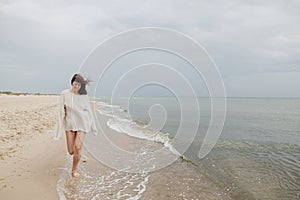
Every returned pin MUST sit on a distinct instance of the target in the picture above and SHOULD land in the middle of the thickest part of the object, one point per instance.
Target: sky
(255, 44)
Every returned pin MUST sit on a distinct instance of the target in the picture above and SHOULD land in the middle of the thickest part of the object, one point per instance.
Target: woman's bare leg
(77, 152)
(71, 135)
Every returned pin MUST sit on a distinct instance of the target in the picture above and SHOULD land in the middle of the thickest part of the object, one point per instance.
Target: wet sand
(179, 180)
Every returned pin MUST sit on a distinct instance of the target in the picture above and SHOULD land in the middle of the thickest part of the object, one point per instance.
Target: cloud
(245, 38)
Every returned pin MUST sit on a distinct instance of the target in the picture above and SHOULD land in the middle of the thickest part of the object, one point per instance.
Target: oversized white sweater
(74, 114)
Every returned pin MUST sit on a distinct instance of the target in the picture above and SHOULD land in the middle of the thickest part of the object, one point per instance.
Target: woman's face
(76, 86)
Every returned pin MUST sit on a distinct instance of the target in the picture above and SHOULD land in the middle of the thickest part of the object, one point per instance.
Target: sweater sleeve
(59, 127)
(94, 127)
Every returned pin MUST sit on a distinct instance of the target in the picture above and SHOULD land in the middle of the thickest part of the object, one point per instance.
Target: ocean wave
(135, 127)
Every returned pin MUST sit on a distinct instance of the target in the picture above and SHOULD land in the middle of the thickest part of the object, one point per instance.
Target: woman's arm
(59, 127)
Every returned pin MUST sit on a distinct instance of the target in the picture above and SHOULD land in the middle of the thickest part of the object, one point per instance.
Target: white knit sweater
(74, 114)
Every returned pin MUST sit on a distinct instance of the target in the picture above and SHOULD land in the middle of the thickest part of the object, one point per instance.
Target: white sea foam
(133, 129)
(103, 104)
(95, 185)
(120, 124)
(109, 110)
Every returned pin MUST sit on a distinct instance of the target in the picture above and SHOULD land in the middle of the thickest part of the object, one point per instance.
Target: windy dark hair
(78, 78)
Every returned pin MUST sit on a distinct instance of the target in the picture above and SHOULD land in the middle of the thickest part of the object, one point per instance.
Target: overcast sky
(255, 44)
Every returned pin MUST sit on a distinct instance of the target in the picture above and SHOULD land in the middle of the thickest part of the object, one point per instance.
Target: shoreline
(105, 179)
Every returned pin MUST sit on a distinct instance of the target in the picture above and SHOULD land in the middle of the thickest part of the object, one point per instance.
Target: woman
(75, 118)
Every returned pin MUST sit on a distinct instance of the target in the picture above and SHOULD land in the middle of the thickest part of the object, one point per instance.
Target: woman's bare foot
(75, 173)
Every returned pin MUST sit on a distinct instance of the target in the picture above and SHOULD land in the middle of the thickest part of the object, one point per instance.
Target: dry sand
(30, 160)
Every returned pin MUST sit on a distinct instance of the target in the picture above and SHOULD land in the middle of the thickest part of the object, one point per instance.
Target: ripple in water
(100, 182)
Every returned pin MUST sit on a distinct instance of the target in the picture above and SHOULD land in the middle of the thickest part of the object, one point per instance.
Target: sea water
(256, 157)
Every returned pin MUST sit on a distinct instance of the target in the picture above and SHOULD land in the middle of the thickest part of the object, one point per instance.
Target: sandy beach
(31, 161)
